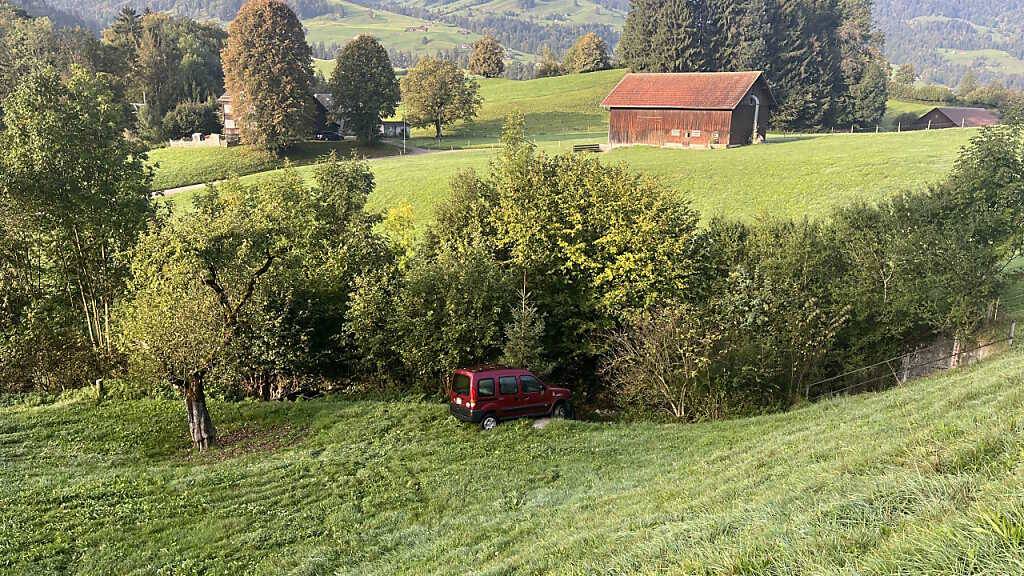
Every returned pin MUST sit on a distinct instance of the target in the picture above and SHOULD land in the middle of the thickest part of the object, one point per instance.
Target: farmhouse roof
(325, 100)
(969, 117)
(689, 90)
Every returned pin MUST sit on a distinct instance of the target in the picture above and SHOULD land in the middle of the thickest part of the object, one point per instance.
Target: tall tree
(589, 54)
(437, 93)
(80, 190)
(364, 87)
(268, 72)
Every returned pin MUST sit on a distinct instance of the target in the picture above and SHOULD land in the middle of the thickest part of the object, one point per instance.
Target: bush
(904, 121)
(188, 118)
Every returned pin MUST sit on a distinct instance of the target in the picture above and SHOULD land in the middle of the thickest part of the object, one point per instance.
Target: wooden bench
(576, 148)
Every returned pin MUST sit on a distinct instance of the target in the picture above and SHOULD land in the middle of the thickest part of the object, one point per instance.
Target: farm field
(792, 176)
(924, 479)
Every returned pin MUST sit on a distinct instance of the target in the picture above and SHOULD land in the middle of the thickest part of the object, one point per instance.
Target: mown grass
(562, 106)
(924, 479)
(177, 167)
(792, 176)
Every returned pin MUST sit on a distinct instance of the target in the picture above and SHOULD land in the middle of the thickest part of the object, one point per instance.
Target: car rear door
(531, 396)
(508, 397)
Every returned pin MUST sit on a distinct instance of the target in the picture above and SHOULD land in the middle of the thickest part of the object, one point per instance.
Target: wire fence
(907, 367)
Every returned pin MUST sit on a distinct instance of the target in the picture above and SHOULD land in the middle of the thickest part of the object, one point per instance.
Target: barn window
(695, 134)
(675, 132)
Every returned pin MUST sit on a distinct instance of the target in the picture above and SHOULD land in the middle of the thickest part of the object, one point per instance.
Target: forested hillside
(945, 38)
(941, 38)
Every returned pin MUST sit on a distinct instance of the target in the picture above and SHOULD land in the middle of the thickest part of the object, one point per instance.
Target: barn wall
(657, 127)
(743, 118)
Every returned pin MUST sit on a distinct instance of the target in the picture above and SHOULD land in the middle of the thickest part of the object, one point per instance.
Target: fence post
(954, 358)
(899, 127)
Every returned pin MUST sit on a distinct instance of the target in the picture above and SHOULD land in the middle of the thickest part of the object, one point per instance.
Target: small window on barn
(676, 132)
(695, 134)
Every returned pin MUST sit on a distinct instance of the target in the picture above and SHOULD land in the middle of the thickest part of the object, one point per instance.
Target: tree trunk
(200, 425)
(437, 131)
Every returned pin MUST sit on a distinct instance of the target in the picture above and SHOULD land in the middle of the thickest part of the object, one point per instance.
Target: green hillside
(790, 176)
(566, 106)
(924, 479)
(395, 31)
(555, 11)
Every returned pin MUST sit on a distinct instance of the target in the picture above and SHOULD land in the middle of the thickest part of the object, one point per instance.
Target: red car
(489, 395)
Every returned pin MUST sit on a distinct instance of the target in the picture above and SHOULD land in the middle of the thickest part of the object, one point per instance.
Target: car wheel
(490, 422)
(561, 411)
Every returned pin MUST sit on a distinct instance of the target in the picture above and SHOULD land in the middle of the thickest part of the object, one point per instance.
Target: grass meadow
(920, 480)
(177, 167)
(791, 176)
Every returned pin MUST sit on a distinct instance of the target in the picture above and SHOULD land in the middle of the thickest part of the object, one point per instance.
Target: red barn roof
(690, 90)
(970, 117)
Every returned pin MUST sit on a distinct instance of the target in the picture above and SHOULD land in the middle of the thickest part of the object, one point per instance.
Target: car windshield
(461, 385)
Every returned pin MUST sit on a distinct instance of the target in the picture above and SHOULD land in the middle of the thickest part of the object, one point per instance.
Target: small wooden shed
(953, 117)
(697, 109)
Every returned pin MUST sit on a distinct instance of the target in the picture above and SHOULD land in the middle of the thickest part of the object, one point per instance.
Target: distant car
(488, 395)
(328, 137)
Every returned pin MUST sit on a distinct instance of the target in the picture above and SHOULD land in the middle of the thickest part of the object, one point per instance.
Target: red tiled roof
(970, 117)
(691, 90)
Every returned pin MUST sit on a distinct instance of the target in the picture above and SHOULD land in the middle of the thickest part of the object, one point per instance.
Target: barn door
(656, 135)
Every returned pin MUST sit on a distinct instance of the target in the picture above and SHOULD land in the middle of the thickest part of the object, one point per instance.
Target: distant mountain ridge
(942, 38)
(945, 38)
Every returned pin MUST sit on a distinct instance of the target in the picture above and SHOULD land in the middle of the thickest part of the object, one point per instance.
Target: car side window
(485, 387)
(531, 385)
(507, 385)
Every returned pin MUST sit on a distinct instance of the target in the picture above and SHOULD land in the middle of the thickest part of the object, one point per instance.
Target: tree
(251, 287)
(903, 80)
(436, 93)
(968, 84)
(664, 361)
(364, 87)
(524, 339)
(548, 66)
(268, 72)
(870, 96)
(76, 195)
(488, 58)
(589, 54)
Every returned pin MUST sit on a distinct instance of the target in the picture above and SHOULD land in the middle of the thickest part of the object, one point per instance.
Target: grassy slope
(389, 27)
(795, 176)
(175, 167)
(920, 480)
(565, 106)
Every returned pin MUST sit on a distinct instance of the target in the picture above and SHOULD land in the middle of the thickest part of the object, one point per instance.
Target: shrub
(188, 118)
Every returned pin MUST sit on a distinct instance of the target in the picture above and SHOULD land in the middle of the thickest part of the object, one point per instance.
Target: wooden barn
(950, 117)
(698, 109)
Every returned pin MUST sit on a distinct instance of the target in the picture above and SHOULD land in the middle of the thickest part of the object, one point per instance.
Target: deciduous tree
(364, 87)
(589, 54)
(268, 72)
(437, 93)
(488, 58)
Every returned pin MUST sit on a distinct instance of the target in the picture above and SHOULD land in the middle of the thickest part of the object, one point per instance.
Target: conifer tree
(268, 72)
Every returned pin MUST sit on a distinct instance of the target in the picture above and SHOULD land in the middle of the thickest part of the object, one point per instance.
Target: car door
(508, 397)
(531, 396)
